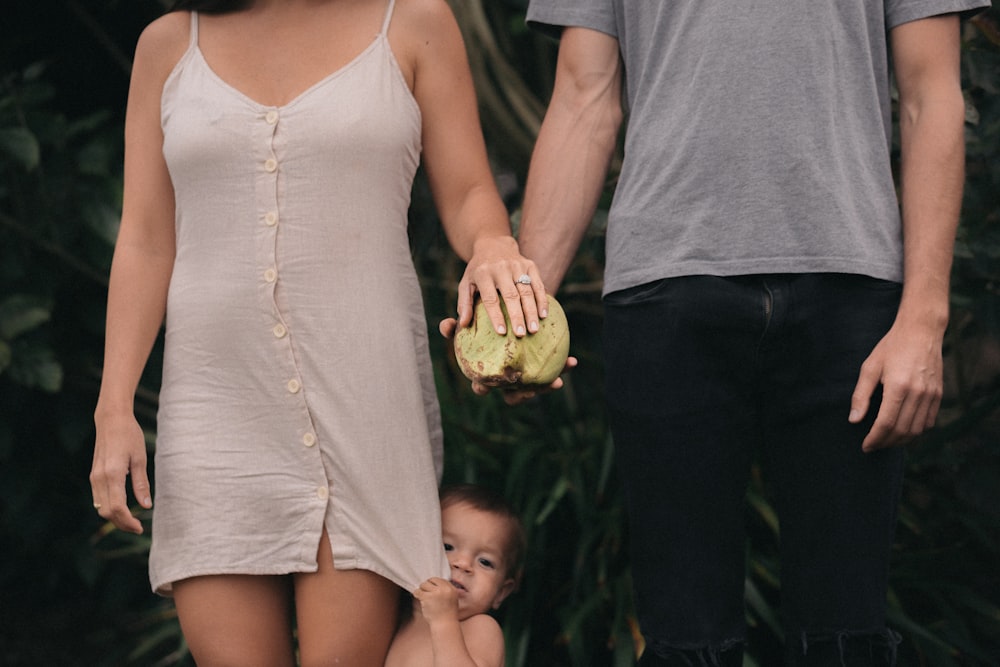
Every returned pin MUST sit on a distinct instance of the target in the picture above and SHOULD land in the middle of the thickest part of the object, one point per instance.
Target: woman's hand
(498, 270)
(120, 450)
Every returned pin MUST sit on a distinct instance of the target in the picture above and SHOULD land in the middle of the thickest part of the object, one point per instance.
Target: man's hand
(907, 363)
(449, 326)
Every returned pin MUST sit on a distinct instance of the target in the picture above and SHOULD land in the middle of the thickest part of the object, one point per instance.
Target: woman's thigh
(236, 620)
(344, 617)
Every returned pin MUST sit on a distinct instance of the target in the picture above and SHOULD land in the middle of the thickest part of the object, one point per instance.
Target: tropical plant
(66, 574)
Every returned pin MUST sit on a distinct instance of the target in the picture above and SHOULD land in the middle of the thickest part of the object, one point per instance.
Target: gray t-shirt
(758, 136)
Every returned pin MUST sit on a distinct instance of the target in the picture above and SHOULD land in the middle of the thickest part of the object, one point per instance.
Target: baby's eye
(448, 547)
(486, 562)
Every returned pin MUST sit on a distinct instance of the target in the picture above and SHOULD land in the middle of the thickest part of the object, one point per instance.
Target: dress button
(322, 493)
(294, 386)
(309, 440)
(270, 275)
(270, 164)
(271, 218)
(271, 117)
(279, 330)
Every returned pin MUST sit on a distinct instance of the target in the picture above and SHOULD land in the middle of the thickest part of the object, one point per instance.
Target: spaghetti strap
(388, 17)
(194, 30)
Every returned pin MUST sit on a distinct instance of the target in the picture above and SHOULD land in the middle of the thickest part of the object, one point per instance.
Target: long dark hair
(210, 6)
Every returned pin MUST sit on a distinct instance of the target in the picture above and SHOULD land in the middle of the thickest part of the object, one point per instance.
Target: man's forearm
(932, 169)
(573, 152)
(931, 193)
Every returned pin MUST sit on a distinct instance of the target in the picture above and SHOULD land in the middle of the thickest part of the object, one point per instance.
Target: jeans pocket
(867, 283)
(639, 294)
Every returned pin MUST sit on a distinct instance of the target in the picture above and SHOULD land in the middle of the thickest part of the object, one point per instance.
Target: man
(763, 292)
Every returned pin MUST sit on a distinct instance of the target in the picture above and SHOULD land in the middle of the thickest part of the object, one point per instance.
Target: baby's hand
(438, 599)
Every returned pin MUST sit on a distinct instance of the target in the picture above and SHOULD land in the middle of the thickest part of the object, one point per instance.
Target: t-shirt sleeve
(551, 16)
(898, 12)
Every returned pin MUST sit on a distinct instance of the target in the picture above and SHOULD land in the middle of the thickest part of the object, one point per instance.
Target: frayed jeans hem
(722, 654)
(851, 647)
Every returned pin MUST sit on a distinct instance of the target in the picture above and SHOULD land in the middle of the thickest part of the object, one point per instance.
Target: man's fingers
(447, 327)
(932, 412)
(906, 411)
(881, 433)
(861, 397)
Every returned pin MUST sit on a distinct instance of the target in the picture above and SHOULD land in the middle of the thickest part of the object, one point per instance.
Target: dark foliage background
(74, 593)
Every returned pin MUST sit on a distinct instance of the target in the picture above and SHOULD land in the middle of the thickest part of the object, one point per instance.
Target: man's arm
(907, 362)
(574, 148)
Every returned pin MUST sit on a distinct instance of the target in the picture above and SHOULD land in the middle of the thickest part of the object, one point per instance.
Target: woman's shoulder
(422, 15)
(423, 27)
(423, 34)
(162, 43)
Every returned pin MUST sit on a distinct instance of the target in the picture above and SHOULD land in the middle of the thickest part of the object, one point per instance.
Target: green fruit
(486, 357)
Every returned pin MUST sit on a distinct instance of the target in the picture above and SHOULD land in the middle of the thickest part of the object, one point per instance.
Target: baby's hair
(487, 500)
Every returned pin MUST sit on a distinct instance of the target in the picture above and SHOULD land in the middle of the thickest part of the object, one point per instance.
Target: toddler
(450, 625)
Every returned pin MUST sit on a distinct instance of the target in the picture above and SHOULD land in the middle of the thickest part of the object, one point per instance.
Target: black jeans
(702, 374)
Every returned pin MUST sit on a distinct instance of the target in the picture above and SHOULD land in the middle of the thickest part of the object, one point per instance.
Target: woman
(270, 151)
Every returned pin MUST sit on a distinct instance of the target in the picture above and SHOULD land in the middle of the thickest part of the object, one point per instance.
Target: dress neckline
(379, 39)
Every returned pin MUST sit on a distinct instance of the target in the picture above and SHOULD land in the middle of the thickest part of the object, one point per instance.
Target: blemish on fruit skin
(493, 360)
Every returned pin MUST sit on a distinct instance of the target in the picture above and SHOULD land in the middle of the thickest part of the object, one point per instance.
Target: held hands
(907, 363)
(498, 270)
(120, 450)
(449, 326)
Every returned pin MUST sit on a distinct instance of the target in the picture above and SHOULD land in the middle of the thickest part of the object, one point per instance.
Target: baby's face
(474, 541)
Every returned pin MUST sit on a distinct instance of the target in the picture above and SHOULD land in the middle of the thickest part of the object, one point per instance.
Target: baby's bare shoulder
(484, 639)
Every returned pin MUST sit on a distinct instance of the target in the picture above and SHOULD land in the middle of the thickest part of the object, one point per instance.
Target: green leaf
(48, 375)
(558, 491)
(103, 220)
(20, 144)
(36, 366)
(34, 71)
(757, 603)
(22, 313)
